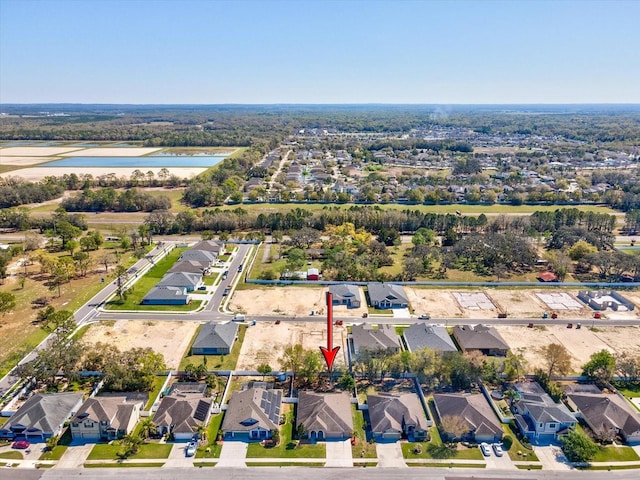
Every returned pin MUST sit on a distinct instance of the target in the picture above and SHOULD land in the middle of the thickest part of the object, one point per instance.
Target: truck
(239, 317)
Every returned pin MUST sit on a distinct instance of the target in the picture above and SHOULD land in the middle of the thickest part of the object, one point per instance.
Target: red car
(21, 444)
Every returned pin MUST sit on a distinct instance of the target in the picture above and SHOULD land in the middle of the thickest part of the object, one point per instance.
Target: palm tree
(146, 427)
(201, 430)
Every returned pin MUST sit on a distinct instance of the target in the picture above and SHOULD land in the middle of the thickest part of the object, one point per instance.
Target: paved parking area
(390, 455)
(339, 454)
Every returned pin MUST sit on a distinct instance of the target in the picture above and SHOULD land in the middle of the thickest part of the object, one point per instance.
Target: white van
(239, 317)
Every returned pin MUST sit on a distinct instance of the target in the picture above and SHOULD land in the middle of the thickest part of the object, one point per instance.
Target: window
(552, 425)
(541, 425)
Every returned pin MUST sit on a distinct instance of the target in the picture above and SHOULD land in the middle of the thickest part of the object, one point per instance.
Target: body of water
(141, 162)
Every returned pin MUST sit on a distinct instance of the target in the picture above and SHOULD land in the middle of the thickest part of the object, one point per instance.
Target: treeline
(411, 143)
(108, 199)
(15, 192)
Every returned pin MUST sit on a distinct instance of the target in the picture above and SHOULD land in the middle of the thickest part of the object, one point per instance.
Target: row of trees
(108, 199)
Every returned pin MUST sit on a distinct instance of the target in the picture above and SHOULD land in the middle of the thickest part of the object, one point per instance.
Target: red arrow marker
(329, 353)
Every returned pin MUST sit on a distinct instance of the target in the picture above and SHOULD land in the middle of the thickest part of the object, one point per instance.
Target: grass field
(212, 435)
(615, 454)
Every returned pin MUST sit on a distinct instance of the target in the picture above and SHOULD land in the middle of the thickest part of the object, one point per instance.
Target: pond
(141, 162)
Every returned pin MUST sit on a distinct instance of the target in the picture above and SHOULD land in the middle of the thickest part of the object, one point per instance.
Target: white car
(486, 450)
(497, 449)
(191, 449)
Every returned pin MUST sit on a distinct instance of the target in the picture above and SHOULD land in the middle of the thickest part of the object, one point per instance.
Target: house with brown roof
(180, 412)
(474, 411)
(252, 414)
(325, 416)
(107, 417)
(396, 415)
(480, 338)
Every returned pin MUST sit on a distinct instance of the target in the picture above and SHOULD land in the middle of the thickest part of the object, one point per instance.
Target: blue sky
(320, 51)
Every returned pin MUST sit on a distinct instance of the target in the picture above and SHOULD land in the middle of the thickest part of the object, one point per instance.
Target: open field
(23, 161)
(113, 152)
(171, 339)
(287, 301)
(36, 151)
(265, 342)
(38, 173)
(581, 344)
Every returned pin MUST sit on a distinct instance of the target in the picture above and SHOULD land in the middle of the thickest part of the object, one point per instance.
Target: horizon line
(327, 104)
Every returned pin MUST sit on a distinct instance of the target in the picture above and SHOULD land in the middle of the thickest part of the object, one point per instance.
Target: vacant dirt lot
(287, 301)
(21, 161)
(38, 173)
(171, 339)
(265, 342)
(113, 152)
(580, 343)
(35, 151)
(517, 303)
(436, 302)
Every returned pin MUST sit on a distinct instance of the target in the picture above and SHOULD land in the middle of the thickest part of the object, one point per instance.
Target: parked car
(530, 325)
(365, 315)
(578, 325)
(597, 315)
(425, 316)
(21, 444)
(554, 315)
(191, 449)
(486, 450)
(497, 448)
(502, 315)
(569, 325)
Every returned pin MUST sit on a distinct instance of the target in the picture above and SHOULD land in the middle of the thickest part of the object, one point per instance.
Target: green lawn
(217, 362)
(362, 448)
(285, 464)
(210, 280)
(124, 465)
(287, 448)
(146, 283)
(462, 453)
(104, 451)
(212, 435)
(157, 385)
(532, 466)
(615, 454)
(516, 446)
(12, 455)
(55, 454)
(629, 390)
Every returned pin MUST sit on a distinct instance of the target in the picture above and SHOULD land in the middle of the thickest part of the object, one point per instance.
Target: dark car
(21, 444)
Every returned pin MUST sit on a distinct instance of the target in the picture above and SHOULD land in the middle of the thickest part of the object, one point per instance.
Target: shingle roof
(422, 335)
(388, 411)
(216, 335)
(479, 337)
(379, 292)
(182, 412)
(365, 337)
(607, 411)
(541, 406)
(44, 412)
(190, 266)
(327, 412)
(198, 256)
(166, 293)
(114, 409)
(343, 291)
(214, 246)
(473, 408)
(253, 408)
(180, 279)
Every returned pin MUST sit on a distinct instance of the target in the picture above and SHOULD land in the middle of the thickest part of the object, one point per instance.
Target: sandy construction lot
(580, 343)
(38, 173)
(265, 342)
(517, 303)
(287, 301)
(633, 296)
(35, 151)
(171, 339)
(20, 161)
(113, 152)
(434, 301)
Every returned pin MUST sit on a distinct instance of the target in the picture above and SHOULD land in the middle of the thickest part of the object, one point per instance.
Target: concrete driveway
(552, 458)
(178, 458)
(75, 455)
(390, 455)
(499, 463)
(233, 454)
(339, 454)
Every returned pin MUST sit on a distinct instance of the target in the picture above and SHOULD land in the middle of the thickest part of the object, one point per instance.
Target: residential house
(481, 338)
(345, 294)
(215, 339)
(393, 416)
(42, 416)
(166, 296)
(107, 417)
(214, 246)
(434, 337)
(325, 416)
(202, 256)
(605, 412)
(387, 295)
(189, 281)
(252, 414)
(475, 412)
(180, 412)
(365, 337)
(187, 266)
(537, 415)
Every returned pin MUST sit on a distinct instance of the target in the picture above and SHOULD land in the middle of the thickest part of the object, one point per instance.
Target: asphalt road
(275, 473)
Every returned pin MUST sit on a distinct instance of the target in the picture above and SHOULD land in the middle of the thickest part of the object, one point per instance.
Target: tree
(83, 262)
(346, 381)
(264, 369)
(66, 231)
(580, 250)
(7, 302)
(146, 427)
(105, 259)
(600, 367)
(275, 436)
(52, 442)
(557, 359)
(311, 366)
(578, 447)
(121, 279)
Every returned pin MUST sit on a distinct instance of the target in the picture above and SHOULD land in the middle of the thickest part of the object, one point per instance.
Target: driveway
(178, 458)
(499, 463)
(339, 454)
(233, 454)
(552, 458)
(75, 455)
(390, 455)
(401, 313)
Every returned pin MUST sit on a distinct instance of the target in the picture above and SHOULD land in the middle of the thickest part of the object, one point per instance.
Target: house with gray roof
(387, 295)
(394, 415)
(252, 414)
(189, 281)
(475, 412)
(42, 416)
(481, 338)
(366, 337)
(180, 412)
(166, 296)
(215, 339)
(213, 246)
(202, 256)
(606, 412)
(325, 416)
(107, 417)
(537, 415)
(345, 294)
(422, 335)
(187, 266)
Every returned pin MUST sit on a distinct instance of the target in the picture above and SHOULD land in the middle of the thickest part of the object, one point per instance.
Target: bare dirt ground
(435, 302)
(633, 296)
(21, 161)
(287, 301)
(581, 344)
(517, 303)
(113, 152)
(171, 339)
(38, 173)
(266, 341)
(36, 151)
